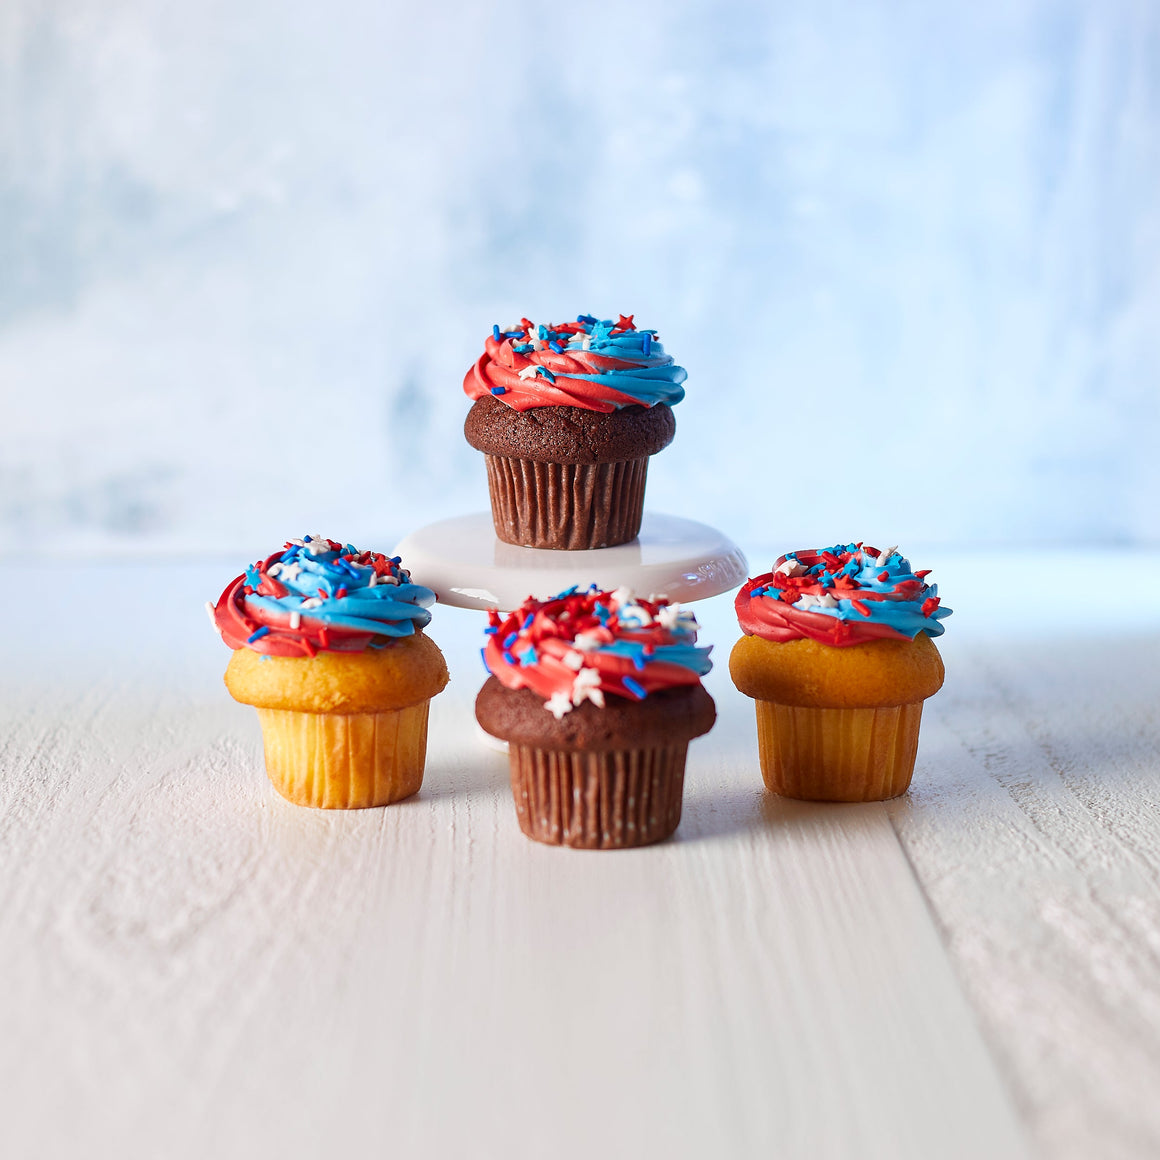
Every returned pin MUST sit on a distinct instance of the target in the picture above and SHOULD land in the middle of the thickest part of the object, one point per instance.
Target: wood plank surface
(1038, 845)
(194, 967)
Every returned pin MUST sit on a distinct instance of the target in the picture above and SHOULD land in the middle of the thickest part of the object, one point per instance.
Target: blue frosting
(386, 603)
(650, 377)
(655, 377)
(688, 656)
(871, 573)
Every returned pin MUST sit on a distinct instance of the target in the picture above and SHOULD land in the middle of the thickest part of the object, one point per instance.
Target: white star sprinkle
(634, 615)
(558, 704)
(587, 686)
(317, 544)
(587, 641)
(573, 660)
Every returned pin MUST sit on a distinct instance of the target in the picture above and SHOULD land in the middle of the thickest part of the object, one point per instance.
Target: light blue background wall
(908, 252)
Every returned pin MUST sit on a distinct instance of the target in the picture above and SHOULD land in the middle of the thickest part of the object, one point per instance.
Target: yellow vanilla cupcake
(328, 647)
(838, 657)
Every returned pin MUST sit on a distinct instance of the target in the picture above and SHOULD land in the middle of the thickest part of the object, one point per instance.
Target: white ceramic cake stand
(467, 565)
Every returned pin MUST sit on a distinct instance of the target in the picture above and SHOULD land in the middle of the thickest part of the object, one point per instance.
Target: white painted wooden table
(192, 967)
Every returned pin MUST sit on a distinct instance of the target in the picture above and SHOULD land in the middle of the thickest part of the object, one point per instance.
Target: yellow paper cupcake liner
(837, 755)
(348, 761)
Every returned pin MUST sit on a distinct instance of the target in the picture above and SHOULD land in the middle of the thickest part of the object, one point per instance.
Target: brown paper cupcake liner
(568, 506)
(837, 755)
(598, 801)
(348, 761)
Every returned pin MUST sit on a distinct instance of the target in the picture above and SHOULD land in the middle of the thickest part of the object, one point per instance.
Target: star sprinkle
(586, 686)
(634, 615)
(559, 703)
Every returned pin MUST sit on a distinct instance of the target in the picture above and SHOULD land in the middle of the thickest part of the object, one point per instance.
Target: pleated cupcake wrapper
(598, 801)
(838, 755)
(569, 506)
(350, 761)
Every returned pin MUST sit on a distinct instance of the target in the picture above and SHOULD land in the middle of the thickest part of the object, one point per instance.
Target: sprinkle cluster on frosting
(843, 595)
(319, 594)
(578, 646)
(593, 364)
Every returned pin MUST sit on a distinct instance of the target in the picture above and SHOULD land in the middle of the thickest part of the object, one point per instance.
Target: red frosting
(782, 622)
(500, 366)
(771, 613)
(298, 631)
(529, 647)
(237, 626)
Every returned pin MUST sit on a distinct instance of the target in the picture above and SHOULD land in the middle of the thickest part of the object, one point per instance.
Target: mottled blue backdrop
(908, 252)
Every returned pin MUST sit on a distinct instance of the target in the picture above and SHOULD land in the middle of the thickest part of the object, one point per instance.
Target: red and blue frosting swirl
(843, 595)
(579, 646)
(597, 365)
(318, 594)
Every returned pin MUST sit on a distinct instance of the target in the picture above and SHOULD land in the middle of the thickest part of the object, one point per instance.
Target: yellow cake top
(408, 671)
(805, 672)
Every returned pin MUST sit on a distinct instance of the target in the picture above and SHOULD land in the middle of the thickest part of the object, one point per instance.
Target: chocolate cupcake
(567, 415)
(598, 696)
